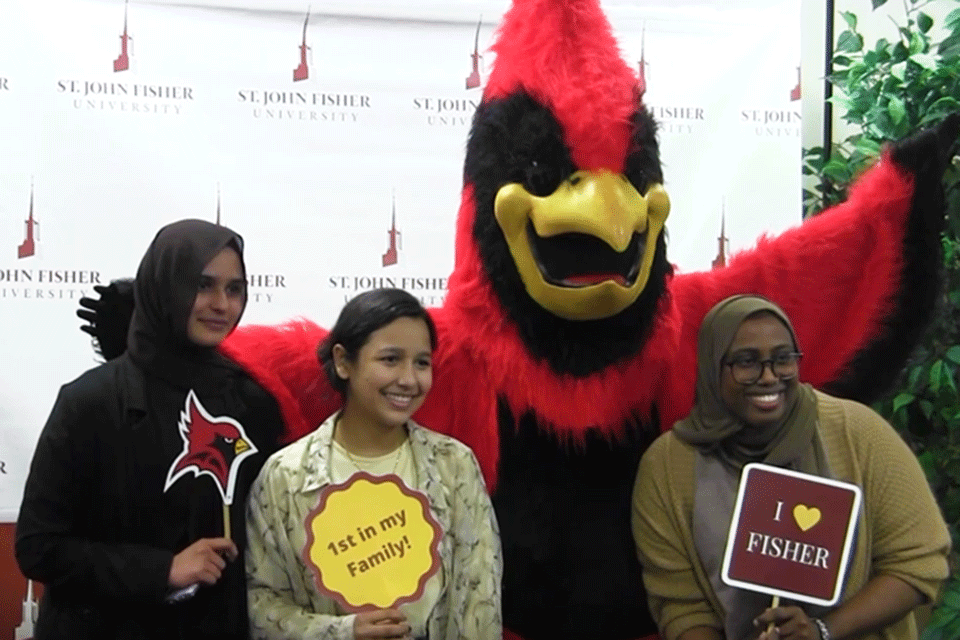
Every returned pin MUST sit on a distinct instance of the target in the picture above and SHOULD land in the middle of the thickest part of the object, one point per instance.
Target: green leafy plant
(888, 90)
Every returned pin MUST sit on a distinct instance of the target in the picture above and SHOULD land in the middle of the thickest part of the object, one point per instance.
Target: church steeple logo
(302, 72)
(393, 247)
(29, 245)
(723, 249)
(122, 62)
(473, 80)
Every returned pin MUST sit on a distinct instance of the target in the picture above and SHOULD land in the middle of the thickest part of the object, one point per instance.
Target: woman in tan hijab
(751, 407)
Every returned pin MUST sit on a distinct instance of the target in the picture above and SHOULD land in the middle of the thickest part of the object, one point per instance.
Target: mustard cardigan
(901, 530)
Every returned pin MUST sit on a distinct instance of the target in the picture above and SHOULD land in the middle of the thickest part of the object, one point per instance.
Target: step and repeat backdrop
(331, 135)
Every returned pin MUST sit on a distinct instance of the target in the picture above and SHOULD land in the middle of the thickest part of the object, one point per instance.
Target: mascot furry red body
(565, 342)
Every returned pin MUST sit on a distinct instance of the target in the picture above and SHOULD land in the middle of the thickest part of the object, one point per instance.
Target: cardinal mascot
(566, 344)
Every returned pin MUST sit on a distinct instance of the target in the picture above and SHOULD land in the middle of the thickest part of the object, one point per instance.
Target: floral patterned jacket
(284, 601)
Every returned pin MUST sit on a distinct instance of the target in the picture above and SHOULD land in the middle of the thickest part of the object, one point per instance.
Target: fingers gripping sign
(786, 623)
(201, 562)
(380, 623)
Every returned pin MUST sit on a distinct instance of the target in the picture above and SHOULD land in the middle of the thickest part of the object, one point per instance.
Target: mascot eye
(229, 440)
(542, 178)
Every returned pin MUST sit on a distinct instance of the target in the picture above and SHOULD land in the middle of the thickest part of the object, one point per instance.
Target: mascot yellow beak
(585, 251)
(240, 446)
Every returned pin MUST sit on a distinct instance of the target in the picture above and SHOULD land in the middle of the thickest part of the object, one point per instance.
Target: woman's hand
(381, 623)
(789, 623)
(203, 561)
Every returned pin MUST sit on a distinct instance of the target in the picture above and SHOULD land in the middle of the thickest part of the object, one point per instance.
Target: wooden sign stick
(773, 605)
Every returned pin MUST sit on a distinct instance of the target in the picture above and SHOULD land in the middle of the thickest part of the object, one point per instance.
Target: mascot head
(563, 206)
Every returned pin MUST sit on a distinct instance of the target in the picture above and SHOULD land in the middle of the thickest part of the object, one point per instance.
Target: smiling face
(390, 375)
(221, 296)
(764, 402)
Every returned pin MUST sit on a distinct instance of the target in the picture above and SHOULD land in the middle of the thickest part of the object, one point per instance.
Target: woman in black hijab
(133, 512)
(751, 407)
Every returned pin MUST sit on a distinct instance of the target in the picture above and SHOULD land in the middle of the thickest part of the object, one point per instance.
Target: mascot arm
(283, 359)
(859, 281)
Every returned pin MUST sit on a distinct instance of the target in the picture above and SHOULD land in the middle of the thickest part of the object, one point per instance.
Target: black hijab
(164, 293)
(156, 507)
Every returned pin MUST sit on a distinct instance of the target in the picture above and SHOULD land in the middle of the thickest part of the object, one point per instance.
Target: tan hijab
(714, 430)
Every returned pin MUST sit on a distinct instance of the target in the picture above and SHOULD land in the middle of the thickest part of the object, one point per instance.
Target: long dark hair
(361, 316)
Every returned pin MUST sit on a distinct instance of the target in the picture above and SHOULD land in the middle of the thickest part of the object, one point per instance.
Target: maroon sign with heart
(791, 534)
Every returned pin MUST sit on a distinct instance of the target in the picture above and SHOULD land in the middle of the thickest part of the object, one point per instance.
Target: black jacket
(99, 526)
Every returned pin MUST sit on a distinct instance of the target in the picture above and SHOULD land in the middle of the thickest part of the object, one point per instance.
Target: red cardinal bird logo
(212, 446)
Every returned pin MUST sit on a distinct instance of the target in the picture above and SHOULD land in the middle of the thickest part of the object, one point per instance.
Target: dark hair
(361, 316)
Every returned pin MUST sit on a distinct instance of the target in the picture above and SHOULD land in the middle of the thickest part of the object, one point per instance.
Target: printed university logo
(302, 71)
(393, 235)
(473, 80)
(28, 247)
(212, 445)
(122, 62)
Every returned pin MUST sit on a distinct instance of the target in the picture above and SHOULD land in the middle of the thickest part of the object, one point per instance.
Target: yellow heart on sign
(805, 516)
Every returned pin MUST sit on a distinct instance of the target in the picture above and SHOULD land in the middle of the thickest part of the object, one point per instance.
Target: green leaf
(949, 46)
(913, 380)
(936, 376)
(917, 43)
(896, 109)
(953, 354)
(924, 22)
(902, 400)
(943, 106)
(868, 146)
(850, 18)
(841, 61)
(926, 461)
(948, 379)
(837, 170)
(850, 42)
(951, 599)
(878, 3)
(953, 19)
(899, 71)
(900, 52)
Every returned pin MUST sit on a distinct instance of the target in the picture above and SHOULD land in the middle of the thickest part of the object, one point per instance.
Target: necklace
(396, 462)
(398, 452)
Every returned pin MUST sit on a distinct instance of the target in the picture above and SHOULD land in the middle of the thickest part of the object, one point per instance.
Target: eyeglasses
(747, 369)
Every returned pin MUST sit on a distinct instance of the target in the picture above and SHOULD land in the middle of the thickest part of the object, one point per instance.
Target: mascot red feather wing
(566, 344)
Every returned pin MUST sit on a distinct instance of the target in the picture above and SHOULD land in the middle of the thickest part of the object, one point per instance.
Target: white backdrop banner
(333, 140)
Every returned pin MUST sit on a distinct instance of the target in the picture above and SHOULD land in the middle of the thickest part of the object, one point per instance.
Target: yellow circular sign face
(372, 542)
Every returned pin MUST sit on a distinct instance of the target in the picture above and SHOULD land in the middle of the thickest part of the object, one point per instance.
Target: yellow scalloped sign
(372, 542)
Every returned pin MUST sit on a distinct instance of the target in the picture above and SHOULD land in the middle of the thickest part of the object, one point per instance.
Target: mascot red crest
(213, 446)
(563, 53)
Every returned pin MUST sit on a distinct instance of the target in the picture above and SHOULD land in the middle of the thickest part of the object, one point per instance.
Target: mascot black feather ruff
(566, 343)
